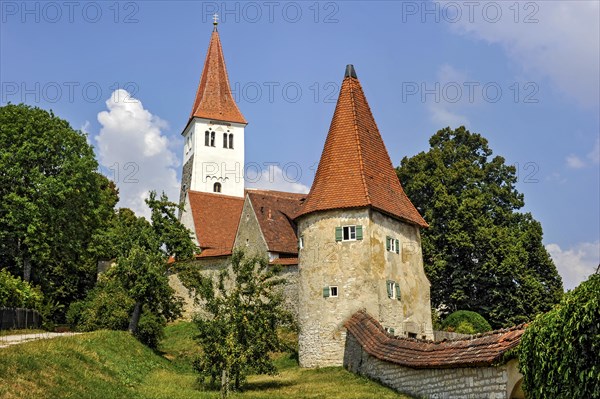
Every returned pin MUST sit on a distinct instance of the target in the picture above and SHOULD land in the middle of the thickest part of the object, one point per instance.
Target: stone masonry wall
(492, 382)
(360, 269)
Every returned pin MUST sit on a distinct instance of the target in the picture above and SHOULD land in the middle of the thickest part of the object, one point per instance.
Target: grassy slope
(109, 364)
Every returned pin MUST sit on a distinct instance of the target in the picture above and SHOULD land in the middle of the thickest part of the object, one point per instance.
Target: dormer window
(217, 187)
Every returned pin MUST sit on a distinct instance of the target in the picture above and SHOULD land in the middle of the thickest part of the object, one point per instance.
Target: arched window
(217, 187)
(224, 140)
(230, 140)
(207, 138)
(212, 139)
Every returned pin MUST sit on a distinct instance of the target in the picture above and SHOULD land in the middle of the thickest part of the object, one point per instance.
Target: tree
(466, 322)
(559, 351)
(480, 253)
(243, 310)
(52, 200)
(141, 251)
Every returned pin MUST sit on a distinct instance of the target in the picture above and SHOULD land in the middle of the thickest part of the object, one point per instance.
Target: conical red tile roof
(355, 169)
(214, 99)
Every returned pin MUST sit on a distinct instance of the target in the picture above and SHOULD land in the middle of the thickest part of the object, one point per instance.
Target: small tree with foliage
(559, 352)
(141, 251)
(243, 310)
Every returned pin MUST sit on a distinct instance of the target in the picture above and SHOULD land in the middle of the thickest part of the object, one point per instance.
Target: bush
(559, 352)
(106, 307)
(16, 293)
(150, 329)
(467, 322)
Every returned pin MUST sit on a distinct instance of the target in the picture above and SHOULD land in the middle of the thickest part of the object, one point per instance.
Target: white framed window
(330, 291)
(349, 233)
(392, 244)
(393, 289)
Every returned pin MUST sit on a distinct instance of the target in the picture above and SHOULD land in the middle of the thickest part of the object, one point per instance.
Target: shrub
(106, 307)
(559, 352)
(16, 293)
(468, 321)
(150, 329)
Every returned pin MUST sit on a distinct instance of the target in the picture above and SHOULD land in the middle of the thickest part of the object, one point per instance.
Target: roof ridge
(357, 133)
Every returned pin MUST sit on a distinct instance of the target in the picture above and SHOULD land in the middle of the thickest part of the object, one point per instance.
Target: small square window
(333, 291)
(349, 233)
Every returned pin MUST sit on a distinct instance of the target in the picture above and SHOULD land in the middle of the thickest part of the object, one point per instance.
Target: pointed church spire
(214, 99)
(355, 169)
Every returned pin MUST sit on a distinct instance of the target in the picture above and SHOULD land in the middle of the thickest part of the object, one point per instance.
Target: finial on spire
(215, 19)
(350, 72)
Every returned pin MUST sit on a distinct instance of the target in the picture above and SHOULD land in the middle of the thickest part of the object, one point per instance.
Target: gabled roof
(275, 211)
(213, 98)
(216, 219)
(482, 350)
(355, 169)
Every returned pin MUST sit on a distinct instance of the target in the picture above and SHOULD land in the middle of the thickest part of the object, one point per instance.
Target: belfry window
(224, 140)
(207, 138)
(217, 187)
(231, 140)
(212, 139)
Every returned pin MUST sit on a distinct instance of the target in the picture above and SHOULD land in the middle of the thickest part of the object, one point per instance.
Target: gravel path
(9, 340)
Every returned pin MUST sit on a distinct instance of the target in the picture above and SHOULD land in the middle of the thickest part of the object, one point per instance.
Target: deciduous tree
(480, 253)
(243, 310)
(52, 200)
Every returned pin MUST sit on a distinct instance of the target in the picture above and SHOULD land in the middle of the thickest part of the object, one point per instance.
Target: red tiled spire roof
(213, 98)
(355, 169)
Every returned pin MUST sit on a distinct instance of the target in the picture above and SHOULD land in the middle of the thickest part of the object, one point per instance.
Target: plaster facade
(361, 270)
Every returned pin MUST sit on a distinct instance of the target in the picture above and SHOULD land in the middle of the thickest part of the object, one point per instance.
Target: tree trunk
(26, 269)
(135, 318)
(224, 384)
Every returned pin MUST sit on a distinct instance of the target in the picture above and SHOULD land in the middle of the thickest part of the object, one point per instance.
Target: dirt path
(9, 340)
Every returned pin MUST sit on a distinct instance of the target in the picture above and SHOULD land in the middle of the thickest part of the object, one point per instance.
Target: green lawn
(109, 364)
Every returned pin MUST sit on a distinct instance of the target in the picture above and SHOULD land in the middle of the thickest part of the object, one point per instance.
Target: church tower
(360, 239)
(213, 153)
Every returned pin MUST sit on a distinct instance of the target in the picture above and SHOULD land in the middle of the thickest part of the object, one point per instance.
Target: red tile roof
(216, 218)
(285, 261)
(275, 211)
(213, 98)
(483, 350)
(355, 169)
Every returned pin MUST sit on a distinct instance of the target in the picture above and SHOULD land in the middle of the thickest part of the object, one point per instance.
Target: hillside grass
(112, 364)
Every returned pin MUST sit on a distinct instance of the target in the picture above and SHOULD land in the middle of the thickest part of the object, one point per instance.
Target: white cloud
(577, 263)
(563, 45)
(574, 162)
(135, 152)
(274, 178)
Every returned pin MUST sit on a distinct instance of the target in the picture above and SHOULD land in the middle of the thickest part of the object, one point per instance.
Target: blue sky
(523, 74)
